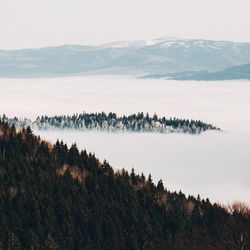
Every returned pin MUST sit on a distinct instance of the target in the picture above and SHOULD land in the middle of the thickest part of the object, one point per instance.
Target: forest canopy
(57, 197)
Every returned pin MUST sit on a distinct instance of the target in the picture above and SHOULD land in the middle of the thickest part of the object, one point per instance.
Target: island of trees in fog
(112, 123)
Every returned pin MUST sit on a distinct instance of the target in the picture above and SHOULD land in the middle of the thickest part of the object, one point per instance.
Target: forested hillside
(55, 197)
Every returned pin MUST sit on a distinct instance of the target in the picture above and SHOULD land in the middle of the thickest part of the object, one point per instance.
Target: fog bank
(216, 165)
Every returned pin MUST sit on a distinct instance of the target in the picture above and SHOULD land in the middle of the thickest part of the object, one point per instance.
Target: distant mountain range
(156, 58)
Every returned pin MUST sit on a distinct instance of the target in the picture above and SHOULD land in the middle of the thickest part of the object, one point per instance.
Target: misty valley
(124, 125)
(208, 164)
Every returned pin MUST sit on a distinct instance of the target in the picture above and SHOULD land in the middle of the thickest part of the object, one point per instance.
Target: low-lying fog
(215, 165)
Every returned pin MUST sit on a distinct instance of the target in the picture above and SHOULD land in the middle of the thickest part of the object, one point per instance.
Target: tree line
(111, 122)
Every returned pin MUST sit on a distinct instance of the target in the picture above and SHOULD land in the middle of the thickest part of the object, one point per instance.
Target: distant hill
(56, 197)
(160, 56)
(232, 73)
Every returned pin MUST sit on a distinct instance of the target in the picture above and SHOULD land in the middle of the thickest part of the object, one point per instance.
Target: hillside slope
(232, 73)
(55, 197)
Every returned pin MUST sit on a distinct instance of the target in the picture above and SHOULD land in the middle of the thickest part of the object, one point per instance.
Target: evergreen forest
(57, 197)
(111, 122)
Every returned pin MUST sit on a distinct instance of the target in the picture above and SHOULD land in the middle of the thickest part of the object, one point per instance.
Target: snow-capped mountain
(159, 56)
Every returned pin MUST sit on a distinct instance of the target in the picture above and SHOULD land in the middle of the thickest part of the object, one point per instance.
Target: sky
(40, 23)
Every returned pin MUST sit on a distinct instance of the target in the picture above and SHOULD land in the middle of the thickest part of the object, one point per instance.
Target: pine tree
(50, 243)
(13, 242)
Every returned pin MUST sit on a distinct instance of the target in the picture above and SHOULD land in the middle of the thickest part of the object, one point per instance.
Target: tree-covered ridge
(111, 122)
(55, 197)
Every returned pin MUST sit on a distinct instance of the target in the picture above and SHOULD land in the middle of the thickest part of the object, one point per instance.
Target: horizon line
(167, 38)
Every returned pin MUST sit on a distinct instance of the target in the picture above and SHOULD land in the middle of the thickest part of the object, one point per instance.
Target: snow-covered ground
(216, 165)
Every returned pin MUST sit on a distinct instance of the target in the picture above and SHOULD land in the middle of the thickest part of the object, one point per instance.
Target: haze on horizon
(32, 24)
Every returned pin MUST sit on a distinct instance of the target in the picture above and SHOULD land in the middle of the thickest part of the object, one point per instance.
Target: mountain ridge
(148, 42)
(139, 58)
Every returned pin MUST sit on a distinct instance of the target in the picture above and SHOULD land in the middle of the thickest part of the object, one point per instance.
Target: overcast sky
(39, 23)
